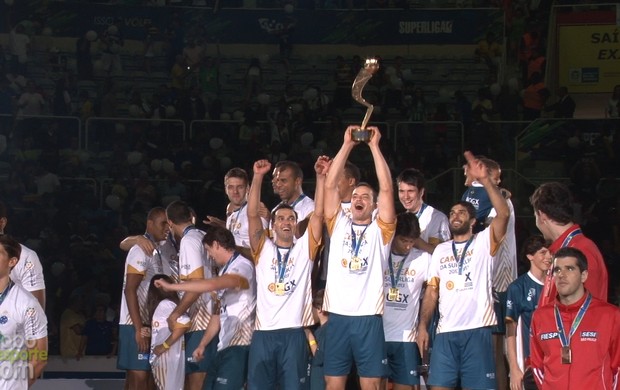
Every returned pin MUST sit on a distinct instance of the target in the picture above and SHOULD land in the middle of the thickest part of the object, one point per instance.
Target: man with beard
(461, 271)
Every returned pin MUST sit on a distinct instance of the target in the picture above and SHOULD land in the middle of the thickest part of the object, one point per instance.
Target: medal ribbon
(419, 213)
(223, 271)
(461, 261)
(564, 340)
(299, 199)
(187, 229)
(355, 245)
(395, 280)
(149, 237)
(6, 291)
(282, 263)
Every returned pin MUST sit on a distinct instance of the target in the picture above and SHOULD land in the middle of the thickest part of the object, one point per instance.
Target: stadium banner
(263, 26)
(589, 58)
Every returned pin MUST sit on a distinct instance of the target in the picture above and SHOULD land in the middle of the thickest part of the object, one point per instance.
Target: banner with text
(589, 58)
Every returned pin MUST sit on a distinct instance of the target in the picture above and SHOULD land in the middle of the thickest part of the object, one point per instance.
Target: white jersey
(170, 259)
(283, 292)
(505, 271)
(169, 367)
(357, 254)
(237, 223)
(465, 299)
(400, 316)
(138, 263)
(238, 307)
(28, 272)
(194, 263)
(434, 225)
(22, 321)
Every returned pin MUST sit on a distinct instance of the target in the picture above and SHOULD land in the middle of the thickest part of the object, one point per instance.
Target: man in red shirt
(554, 218)
(575, 340)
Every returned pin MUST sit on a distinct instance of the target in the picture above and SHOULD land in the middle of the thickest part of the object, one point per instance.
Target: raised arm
(385, 201)
(144, 243)
(332, 200)
(206, 285)
(321, 167)
(255, 227)
(499, 224)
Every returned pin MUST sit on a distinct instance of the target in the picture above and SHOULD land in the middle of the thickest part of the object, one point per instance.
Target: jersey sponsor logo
(289, 287)
(531, 294)
(474, 201)
(509, 304)
(4, 320)
(402, 298)
(549, 336)
(588, 335)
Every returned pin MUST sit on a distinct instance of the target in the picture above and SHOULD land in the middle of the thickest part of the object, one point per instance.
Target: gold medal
(566, 355)
(356, 264)
(393, 294)
(279, 288)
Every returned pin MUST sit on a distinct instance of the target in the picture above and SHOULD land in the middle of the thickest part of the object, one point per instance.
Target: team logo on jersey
(531, 293)
(4, 320)
(344, 263)
(449, 285)
(549, 336)
(509, 304)
(29, 265)
(589, 336)
(30, 312)
(155, 324)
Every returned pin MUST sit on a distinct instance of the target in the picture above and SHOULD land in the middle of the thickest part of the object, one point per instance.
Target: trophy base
(360, 135)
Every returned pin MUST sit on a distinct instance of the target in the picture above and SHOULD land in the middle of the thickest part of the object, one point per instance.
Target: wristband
(312, 342)
(165, 344)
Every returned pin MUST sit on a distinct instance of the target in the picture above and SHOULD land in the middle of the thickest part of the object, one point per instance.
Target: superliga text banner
(589, 58)
(259, 26)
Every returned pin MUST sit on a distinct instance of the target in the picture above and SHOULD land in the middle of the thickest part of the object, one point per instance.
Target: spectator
(99, 334)
(72, 323)
(19, 42)
(612, 105)
(534, 98)
(564, 107)
(83, 56)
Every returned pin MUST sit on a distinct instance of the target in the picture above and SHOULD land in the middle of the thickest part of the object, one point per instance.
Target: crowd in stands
(73, 205)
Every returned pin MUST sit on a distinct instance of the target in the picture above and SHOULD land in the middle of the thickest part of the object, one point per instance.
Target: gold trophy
(371, 65)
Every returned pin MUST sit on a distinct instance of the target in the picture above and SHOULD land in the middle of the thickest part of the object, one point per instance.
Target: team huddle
(295, 297)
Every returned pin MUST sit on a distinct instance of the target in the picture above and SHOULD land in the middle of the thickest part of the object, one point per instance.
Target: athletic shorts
(358, 339)
(466, 355)
(128, 356)
(403, 360)
(229, 369)
(278, 359)
(192, 339)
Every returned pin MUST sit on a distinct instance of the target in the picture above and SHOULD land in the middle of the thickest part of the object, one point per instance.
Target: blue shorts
(128, 356)
(229, 369)
(278, 357)
(403, 360)
(499, 306)
(466, 355)
(192, 339)
(356, 339)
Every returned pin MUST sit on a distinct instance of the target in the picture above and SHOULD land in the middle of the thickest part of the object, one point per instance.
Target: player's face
(568, 278)
(285, 184)
(217, 253)
(410, 197)
(402, 245)
(236, 190)
(362, 204)
(284, 224)
(158, 227)
(541, 260)
(460, 220)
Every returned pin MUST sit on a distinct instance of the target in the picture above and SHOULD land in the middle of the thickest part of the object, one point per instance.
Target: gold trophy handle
(368, 70)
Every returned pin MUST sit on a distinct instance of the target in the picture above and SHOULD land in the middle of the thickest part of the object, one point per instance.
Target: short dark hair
(407, 225)
(555, 200)
(531, 245)
(238, 173)
(282, 206)
(490, 164)
(413, 177)
(179, 212)
(471, 210)
(220, 235)
(293, 166)
(155, 212)
(11, 246)
(567, 251)
(352, 171)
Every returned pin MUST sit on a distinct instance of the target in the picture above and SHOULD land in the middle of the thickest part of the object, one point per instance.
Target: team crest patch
(271, 287)
(4, 320)
(449, 285)
(344, 263)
